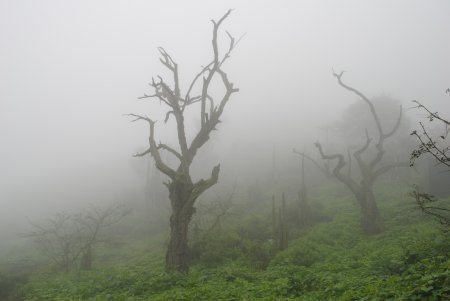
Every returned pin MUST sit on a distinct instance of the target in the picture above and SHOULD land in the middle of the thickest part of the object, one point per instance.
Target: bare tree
(58, 238)
(325, 168)
(183, 191)
(370, 170)
(67, 237)
(92, 222)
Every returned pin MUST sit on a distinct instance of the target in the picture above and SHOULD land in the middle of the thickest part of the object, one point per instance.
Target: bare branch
(232, 46)
(167, 60)
(187, 97)
(386, 168)
(357, 154)
(351, 184)
(170, 150)
(323, 169)
(369, 103)
(153, 149)
(432, 115)
(142, 154)
(213, 70)
(423, 200)
(203, 185)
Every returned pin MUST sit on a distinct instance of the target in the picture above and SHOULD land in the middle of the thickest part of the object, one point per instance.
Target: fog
(70, 70)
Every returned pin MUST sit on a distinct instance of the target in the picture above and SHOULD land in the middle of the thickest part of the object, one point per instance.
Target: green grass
(329, 261)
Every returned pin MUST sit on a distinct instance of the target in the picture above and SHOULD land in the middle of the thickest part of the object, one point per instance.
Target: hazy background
(70, 69)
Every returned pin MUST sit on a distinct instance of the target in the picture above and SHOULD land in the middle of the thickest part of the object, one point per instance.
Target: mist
(71, 70)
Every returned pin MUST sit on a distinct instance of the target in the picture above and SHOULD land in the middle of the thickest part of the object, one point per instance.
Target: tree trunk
(182, 211)
(371, 222)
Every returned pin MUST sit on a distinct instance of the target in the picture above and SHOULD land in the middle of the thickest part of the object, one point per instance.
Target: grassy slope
(330, 261)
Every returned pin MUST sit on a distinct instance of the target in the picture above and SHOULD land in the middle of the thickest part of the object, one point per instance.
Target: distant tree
(69, 238)
(438, 147)
(183, 191)
(58, 238)
(370, 169)
(92, 223)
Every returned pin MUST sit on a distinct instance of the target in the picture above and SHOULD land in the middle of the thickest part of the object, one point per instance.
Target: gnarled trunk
(182, 211)
(371, 222)
(177, 252)
(182, 192)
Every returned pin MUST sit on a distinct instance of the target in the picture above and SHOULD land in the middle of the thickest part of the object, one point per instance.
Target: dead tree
(93, 221)
(59, 238)
(69, 238)
(370, 170)
(325, 168)
(183, 191)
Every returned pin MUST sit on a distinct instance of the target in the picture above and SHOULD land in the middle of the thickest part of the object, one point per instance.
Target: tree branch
(170, 150)
(351, 184)
(323, 169)
(153, 149)
(203, 185)
(369, 103)
(386, 168)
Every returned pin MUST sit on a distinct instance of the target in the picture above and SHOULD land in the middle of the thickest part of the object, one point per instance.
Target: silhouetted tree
(370, 170)
(67, 238)
(91, 223)
(183, 191)
(58, 238)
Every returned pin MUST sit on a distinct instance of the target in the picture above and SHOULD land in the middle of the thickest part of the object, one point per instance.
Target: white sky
(70, 69)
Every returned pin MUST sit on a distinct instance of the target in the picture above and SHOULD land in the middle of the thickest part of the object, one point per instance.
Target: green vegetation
(331, 260)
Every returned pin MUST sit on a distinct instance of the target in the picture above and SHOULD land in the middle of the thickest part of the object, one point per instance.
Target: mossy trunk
(182, 211)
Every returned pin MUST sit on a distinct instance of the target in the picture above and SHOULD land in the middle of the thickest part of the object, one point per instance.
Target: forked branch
(324, 169)
(381, 134)
(351, 184)
(153, 148)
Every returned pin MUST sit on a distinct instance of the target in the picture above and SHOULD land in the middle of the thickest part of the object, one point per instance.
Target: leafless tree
(183, 191)
(370, 170)
(324, 168)
(58, 238)
(92, 221)
(68, 237)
